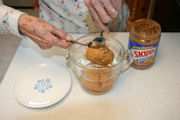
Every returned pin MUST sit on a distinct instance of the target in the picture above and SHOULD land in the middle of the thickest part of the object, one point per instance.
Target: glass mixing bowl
(96, 79)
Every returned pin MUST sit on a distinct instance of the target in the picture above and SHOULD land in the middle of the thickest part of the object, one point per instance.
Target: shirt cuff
(9, 18)
(13, 22)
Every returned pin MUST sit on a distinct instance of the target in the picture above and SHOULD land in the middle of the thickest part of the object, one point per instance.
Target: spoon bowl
(96, 43)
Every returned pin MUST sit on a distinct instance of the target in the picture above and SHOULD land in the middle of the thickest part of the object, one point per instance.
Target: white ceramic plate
(42, 85)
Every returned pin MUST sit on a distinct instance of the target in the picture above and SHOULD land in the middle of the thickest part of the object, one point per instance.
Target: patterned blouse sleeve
(9, 20)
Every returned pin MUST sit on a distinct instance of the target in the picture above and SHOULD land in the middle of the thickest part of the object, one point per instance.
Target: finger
(97, 20)
(116, 4)
(95, 16)
(37, 40)
(60, 42)
(105, 18)
(63, 44)
(61, 34)
(110, 9)
(42, 45)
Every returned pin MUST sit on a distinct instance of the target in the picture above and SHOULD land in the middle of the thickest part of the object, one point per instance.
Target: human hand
(43, 33)
(103, 11)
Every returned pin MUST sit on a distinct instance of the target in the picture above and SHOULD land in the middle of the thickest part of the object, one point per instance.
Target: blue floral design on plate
(43, 85)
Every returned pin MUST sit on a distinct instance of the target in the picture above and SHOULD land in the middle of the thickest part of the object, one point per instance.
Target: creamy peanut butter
(100, 56)
(100, 80)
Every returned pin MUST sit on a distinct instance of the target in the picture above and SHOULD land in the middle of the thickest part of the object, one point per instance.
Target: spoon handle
(102, 33)
(75, 42)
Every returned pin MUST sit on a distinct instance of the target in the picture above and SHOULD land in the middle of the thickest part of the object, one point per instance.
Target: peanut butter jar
(143, 42)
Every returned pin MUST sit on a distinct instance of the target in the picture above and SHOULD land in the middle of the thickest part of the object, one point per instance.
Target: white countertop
(152, 94)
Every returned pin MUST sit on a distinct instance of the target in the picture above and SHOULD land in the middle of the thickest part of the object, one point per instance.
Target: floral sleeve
(9, 20)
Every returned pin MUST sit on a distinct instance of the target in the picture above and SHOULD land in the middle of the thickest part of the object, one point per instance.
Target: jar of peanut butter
(143, 42)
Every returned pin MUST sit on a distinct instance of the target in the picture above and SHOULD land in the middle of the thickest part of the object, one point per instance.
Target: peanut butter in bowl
(99, 81)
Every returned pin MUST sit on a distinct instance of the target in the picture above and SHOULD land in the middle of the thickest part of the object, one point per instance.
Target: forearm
(9, 20)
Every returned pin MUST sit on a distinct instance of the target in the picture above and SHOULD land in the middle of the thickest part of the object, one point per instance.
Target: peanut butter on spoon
(98, 52)
(101, 56)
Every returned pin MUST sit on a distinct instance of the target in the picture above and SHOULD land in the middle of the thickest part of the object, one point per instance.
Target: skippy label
(143, 55)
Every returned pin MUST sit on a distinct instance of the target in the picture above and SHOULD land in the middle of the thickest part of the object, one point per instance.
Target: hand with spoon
(42, 33)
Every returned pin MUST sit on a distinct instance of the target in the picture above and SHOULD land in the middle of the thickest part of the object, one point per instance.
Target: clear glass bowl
(96, 79)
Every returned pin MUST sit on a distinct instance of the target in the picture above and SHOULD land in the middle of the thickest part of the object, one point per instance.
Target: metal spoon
(76, 42)
(99, 41)
(96, 43)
